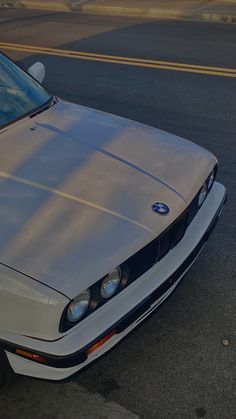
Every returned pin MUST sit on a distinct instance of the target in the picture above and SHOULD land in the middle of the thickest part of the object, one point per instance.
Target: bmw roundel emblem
(160, 208)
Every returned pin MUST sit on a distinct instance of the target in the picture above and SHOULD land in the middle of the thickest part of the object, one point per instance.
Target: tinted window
(19, 93)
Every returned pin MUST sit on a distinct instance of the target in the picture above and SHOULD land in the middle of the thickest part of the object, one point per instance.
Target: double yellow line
(135, 62)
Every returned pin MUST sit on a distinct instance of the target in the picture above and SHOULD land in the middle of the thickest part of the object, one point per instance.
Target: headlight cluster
(93, 298)
(205, 189)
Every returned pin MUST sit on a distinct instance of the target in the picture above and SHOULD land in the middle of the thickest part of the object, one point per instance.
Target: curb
(10, 4)
(59, 6)
(217, 17)
(46, 5)
(128, 11)
(208, 16)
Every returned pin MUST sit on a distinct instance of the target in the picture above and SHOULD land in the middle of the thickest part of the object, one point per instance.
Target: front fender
(28, 307)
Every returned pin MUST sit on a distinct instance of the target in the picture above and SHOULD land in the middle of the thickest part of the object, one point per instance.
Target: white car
(100, 219)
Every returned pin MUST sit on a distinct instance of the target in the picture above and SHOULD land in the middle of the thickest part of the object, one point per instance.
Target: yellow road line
(114, 57)
(136, 62)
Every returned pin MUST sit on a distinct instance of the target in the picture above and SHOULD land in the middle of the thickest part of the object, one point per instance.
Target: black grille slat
(143, 260)
(153, 252)
(179, 230)
(165, 243)
(192, 210)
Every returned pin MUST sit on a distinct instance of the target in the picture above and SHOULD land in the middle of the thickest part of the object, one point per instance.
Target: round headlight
(78, 306)
(202, 195)
(111, 283)
(211, 180)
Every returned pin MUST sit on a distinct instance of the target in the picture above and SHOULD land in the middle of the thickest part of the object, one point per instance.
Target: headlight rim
(199, 194)
(208, 188)
(85, 310)
(213, 172)
(117, 287)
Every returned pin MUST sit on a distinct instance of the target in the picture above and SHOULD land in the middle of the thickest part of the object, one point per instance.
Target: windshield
(19, 93)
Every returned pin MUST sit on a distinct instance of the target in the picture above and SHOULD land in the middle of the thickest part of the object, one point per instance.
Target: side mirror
(37, 70)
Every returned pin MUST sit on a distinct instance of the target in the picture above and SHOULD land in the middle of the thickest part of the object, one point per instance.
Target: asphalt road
(175, 365)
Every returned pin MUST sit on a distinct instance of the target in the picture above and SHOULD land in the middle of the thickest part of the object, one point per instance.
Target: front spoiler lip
(81, 356)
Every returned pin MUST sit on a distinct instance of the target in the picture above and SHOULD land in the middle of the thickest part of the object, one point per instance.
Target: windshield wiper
(52, 101)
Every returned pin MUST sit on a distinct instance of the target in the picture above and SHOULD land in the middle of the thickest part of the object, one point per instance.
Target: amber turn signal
(101, 342)
(30, 355)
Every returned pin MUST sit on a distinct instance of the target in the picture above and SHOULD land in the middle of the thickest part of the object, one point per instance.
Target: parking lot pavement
(175, 365)
(42, 400)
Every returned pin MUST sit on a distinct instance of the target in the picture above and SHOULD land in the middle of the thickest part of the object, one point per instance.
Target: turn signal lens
(100, 342)
(30, 355)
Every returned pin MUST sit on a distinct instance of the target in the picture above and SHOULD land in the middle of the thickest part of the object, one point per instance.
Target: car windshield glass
(19, 93)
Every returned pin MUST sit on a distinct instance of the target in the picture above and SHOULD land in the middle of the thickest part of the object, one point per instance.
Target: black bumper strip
(81, 356)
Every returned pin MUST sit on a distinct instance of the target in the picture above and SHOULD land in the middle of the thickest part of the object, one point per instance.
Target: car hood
(76, 190)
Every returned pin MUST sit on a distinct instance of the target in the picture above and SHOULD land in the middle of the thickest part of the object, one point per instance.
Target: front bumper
(59, 366)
